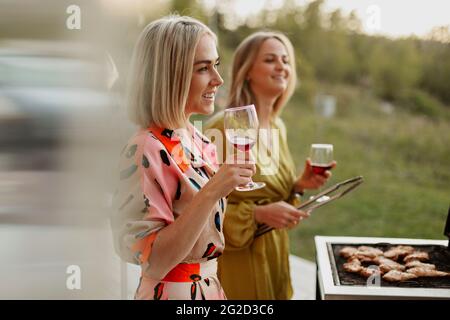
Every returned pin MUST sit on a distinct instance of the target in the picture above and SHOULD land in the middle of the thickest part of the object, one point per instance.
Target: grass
(404, 158)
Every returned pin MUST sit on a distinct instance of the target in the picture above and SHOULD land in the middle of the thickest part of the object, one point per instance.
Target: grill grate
(439, 256)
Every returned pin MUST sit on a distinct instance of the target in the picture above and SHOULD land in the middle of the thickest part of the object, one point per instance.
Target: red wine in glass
(320, 168)
(321, 158)
(242, 143)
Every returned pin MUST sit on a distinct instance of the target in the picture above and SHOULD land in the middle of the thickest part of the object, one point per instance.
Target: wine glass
(241, 129)
(321, 160)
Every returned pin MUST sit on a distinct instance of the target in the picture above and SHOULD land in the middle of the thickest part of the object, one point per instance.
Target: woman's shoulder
(279, 123)
(146, 142)
(145, 136)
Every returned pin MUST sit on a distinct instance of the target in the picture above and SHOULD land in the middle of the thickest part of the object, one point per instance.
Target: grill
(333, 282)
(439, 256)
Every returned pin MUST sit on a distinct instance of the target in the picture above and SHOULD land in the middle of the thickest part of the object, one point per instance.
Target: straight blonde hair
(243, 59)
(161, 71)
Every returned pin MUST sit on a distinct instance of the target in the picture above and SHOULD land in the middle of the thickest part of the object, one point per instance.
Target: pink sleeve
(159, 181)
(154, 190)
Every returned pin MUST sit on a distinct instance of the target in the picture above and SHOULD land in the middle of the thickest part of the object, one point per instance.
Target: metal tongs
(320, 199)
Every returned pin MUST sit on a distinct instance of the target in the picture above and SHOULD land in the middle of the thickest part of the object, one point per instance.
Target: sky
(397, 17)
(387, 17)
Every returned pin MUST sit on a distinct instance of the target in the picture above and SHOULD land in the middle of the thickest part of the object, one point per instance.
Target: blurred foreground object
(55, 146)
(47, 97)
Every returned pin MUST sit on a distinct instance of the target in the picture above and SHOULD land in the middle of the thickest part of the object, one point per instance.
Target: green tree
(436, 69)
(337, 61)
(395, 67)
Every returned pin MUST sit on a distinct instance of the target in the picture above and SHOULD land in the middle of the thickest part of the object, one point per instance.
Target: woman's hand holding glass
(229, 176)
(317, 167)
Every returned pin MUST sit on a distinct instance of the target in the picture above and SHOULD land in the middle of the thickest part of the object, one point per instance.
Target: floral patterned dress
(161, 170)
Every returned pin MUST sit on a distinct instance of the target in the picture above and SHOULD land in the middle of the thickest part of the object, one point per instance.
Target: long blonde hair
(161, 71)
(243, 59)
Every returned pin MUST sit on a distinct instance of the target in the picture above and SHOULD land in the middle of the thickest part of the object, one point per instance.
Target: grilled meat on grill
(348, 252)
(417, 255)
(367, 272)
(425, 272)
(387, 265)
(353, 265)
(370, 251)
(417, 263)
(396, 275)
(397, 252)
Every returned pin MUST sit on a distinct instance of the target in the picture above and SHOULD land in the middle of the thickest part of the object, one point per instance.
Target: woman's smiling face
(205, 78)
(270, 72)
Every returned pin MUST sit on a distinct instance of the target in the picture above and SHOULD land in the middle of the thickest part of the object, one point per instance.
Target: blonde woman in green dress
(263, 74)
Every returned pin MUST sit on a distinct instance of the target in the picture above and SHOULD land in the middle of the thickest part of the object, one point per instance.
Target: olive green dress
(257, 268)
